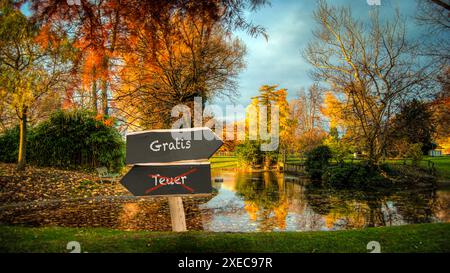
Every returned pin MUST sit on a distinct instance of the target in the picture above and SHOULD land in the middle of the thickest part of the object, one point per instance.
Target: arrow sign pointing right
(162, 146)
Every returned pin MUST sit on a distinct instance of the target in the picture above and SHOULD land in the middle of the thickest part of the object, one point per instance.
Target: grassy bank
(223, 162)
(412, 238)
(442, 164)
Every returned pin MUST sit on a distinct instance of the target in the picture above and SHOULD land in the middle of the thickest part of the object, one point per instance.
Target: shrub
(69, 139)
(317, 161)
(353, 176)
(9, 145)
(77, 138)
(271, 158)
(249, 153)
(415, 153)
(339, 149)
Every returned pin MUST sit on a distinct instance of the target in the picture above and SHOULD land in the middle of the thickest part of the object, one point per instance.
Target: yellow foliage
(445, 144)
(333, 109)
(269, 97)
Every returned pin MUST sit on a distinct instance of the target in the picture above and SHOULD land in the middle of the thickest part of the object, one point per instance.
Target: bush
(339, 149)
(69, 139)
(415, 153)
(9, 145)
(76, 138)
(249, 153)
(353, 176)
(317, 161)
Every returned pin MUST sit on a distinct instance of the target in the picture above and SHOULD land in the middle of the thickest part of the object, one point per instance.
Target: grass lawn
(442, 165)
(295, 160)
(223, 162)
(231, 161)
(412, 238)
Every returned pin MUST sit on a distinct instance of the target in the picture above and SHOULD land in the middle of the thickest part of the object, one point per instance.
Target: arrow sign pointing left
(162, 146)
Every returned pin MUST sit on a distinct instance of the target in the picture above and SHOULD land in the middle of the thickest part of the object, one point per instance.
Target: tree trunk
(94, 96)
(104, 82)
(371, 155)
(22, 141)
(106, 64)
(105, 97)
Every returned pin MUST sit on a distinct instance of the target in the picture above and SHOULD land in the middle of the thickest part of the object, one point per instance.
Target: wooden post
(177, 214)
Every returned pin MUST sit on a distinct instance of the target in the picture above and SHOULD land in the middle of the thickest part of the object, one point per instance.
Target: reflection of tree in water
(356, 208)
(442, 211)
(252, 210)
(417, 206)
(259, 189)
(281, 213)
(264, 198)
(319, 199)
(360, 208)
(267, 201)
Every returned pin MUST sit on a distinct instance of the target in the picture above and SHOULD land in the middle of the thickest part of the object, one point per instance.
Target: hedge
(69, 139)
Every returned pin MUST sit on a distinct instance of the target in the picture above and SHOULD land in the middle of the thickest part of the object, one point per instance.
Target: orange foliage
(252, 210)
(281, 213)
(68, 100)
(109, 122)
(99, 117)
(47, 39)
(93, 67)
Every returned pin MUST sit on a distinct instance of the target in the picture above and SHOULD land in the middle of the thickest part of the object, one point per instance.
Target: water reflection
(271, 201)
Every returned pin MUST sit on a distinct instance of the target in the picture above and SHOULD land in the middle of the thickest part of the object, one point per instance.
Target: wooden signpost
(171, 163)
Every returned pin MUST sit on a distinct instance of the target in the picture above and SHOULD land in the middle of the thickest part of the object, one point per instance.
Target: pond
(244, 202)
(271, 201)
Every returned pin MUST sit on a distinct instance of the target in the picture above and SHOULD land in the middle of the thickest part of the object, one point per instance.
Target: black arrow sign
(144, 180)
(171, 145)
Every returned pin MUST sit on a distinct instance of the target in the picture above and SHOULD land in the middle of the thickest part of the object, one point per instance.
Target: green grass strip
(410, 238)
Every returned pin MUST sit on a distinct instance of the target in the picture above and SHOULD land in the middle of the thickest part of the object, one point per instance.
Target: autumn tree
(31, 69)
(440, 108)
(371, 67)
(414, 125)
(434, 15)
(269, 97)
(268, 123)
(307, 130)
(338, 145)
(98, 28)
(306, 108)
(193, 58)
(103, 29)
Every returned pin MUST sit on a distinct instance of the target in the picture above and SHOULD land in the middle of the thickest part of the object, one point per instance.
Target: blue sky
(289, 24)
